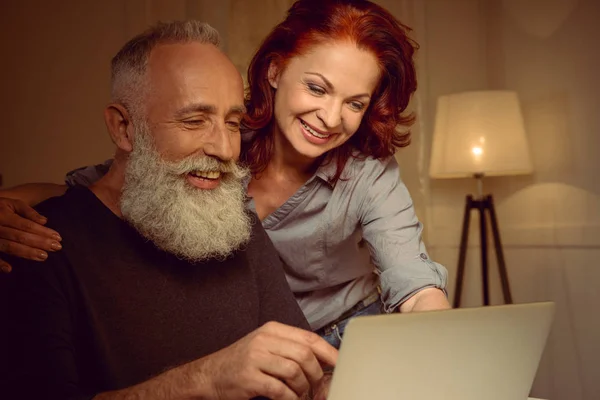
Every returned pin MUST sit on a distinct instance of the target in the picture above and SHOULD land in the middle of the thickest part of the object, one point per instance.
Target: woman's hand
(23, 234)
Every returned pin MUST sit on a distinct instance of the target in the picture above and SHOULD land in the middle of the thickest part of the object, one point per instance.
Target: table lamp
(479, 134)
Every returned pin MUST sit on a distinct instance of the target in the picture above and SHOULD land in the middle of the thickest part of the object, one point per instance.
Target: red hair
(312, 22)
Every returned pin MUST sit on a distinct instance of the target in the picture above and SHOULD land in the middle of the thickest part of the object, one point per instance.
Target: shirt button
(423, 256)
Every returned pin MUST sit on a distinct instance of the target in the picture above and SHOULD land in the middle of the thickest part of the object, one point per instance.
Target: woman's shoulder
(360, 166)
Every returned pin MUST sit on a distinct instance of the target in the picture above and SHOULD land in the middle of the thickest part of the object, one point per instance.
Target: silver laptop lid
(487, 353)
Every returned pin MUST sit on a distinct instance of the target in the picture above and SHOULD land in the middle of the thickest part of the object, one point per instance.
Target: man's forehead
(197, 61)
(196, 55)
(193, 73)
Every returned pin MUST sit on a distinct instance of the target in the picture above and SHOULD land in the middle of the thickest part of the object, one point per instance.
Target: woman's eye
(357, 105)
(316, 89)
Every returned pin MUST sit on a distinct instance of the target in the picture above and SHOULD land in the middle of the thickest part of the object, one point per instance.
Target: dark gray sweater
(111, 310)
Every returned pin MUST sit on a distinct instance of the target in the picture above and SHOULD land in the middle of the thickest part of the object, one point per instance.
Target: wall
(552, 59)
(56, 69)
(51, 106)
(547, 52)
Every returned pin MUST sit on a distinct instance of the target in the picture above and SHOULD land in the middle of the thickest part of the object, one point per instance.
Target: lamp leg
(460, 272)
(484, 252)
(499, 253)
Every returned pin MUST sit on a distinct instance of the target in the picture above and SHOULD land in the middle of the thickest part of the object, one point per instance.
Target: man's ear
(120, 128)
(273, 74)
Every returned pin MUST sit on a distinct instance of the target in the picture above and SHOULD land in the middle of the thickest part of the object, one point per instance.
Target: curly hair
(313, 22)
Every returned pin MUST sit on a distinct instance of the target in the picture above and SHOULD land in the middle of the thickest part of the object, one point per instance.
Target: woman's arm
(426, 300)
(22, 231)
(33, 193)
(410, 280)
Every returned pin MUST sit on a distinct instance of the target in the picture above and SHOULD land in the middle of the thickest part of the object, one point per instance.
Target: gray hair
(128, 67)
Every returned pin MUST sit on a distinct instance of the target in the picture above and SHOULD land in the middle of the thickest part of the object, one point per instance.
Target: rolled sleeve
(401, 283)
(394, 236)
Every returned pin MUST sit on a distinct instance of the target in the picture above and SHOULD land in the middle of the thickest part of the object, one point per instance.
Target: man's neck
(108, 188)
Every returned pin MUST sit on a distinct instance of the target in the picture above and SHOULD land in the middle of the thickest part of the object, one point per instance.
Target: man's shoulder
(259, 235)
(66, 206)
(259, 248)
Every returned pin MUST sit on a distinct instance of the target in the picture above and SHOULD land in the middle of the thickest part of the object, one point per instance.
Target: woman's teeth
(206, 174)
(312, 131)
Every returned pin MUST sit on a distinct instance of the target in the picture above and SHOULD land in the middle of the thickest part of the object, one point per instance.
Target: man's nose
(223, 144)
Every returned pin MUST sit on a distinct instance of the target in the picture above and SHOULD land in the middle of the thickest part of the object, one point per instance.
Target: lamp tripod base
(485, 206)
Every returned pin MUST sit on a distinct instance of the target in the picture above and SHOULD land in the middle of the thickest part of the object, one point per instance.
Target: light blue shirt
(338, 243)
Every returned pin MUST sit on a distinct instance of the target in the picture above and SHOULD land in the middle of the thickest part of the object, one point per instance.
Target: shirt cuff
(401, 283)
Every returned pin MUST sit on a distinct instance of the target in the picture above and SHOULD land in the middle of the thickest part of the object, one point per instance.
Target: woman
(327, 89)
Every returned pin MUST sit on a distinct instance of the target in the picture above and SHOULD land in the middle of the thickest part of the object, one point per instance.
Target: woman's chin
(310, 151)
(305, 149)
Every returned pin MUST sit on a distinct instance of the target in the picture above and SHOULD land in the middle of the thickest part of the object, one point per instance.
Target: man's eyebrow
(237, 110)
(207, 109)
(195, 107)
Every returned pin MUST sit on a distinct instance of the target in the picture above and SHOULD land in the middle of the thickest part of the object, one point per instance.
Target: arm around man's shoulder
(22, 229)
(33, 193)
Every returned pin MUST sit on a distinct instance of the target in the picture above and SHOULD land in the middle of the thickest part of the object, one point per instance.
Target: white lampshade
(479, 133)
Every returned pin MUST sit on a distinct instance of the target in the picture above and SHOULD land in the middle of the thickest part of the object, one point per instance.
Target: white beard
(191, 223)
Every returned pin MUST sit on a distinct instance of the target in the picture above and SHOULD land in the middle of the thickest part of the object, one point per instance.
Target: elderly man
(166, 286)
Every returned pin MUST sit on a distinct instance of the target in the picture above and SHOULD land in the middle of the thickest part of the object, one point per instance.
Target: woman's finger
(22, 251)
(23, 224)
(34, 241)
(5, 267)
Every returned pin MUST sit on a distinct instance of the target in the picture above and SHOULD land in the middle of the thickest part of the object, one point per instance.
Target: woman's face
(321, 96)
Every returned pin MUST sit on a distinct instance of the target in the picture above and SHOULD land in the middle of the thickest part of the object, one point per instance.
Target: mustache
(205, 163)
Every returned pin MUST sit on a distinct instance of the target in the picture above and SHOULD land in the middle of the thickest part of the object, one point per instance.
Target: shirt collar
(326, 172)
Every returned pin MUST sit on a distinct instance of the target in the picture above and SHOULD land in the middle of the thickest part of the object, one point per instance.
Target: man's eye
(194, 122)
(235, 125)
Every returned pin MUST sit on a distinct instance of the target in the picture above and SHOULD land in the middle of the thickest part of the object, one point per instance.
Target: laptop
(486, 353)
